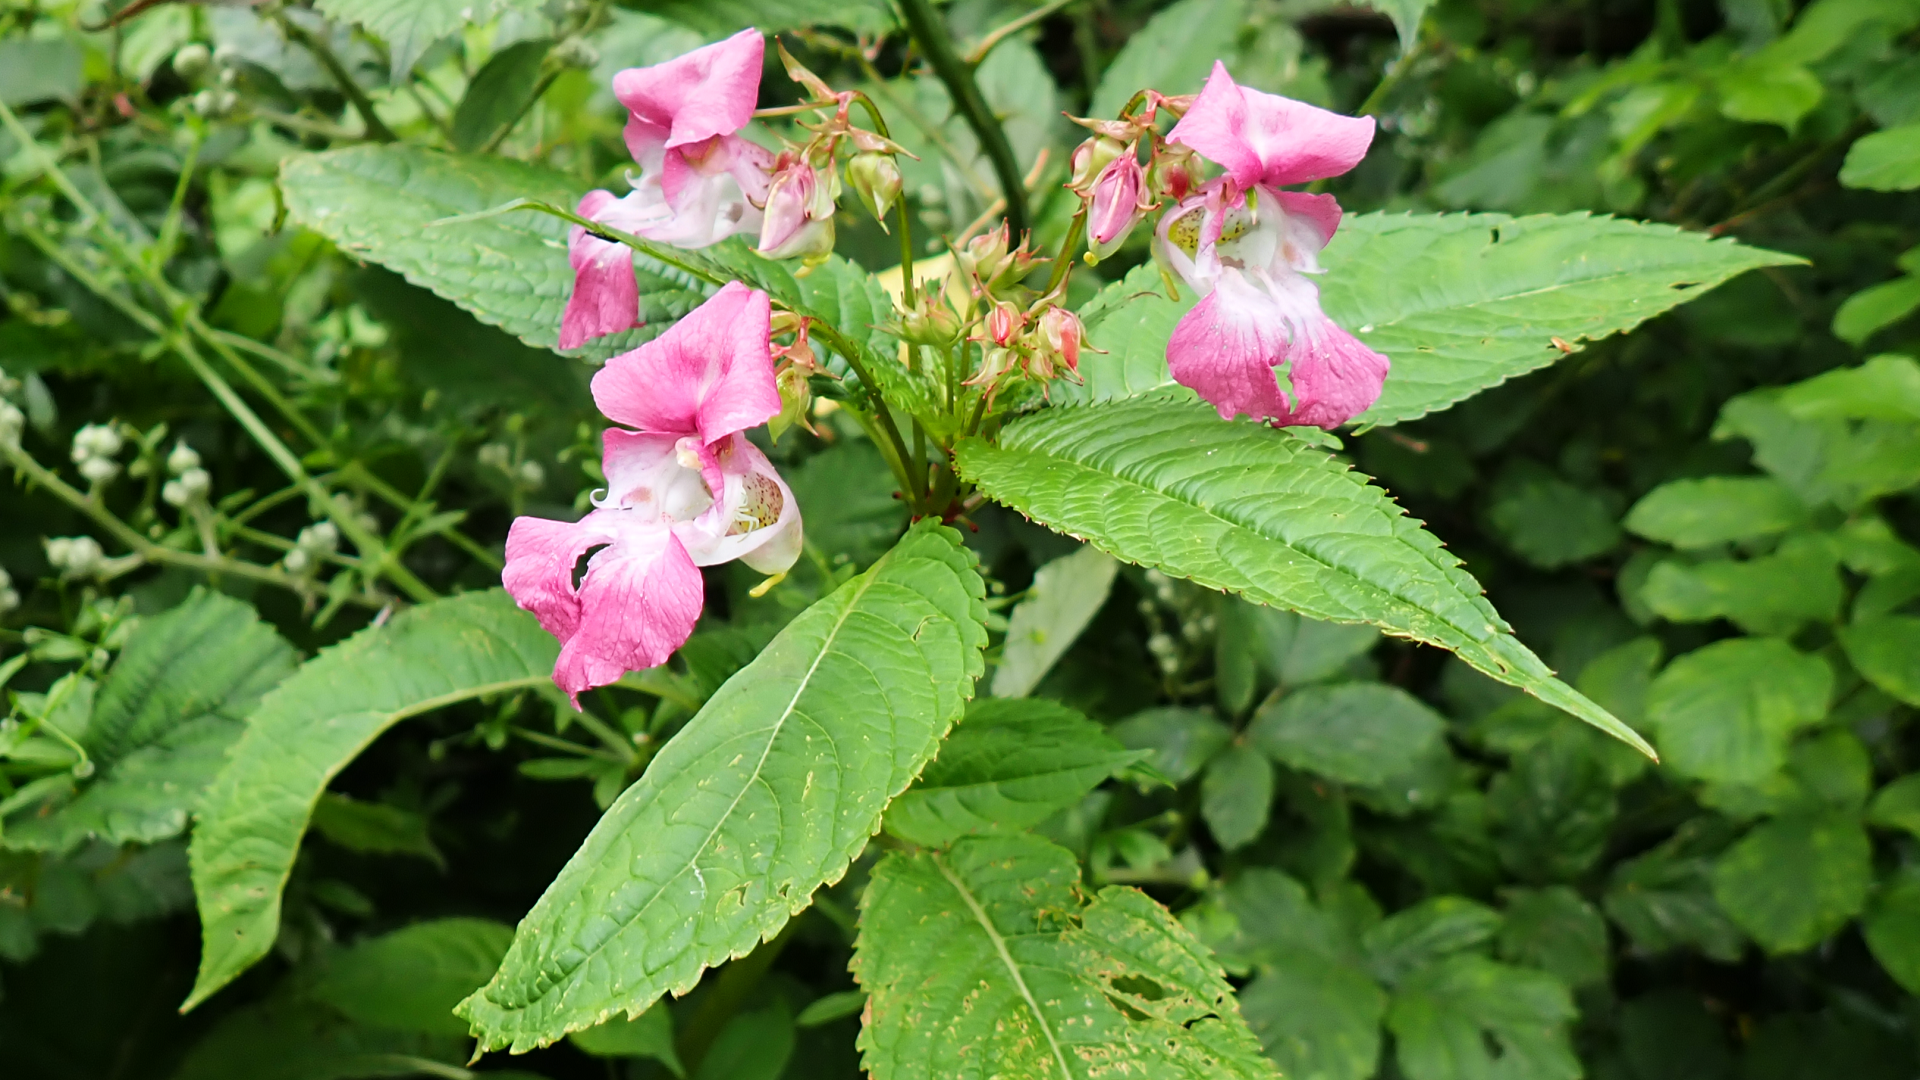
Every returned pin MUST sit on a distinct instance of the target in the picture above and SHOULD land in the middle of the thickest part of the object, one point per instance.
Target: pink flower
(699, 181)
(1246, 248)
(1119, 201)
(684, 490)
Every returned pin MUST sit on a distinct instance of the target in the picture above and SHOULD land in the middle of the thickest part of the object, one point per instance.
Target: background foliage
(1706, 525)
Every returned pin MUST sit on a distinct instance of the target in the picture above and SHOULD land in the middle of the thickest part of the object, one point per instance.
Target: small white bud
(495, 456)
(183, 458)
(12, 423)
(76, 556)
(189, 487)
(9, 599)
(530, 474)
(321, 540)
(96, 441)
(99, 470)
(297, 562)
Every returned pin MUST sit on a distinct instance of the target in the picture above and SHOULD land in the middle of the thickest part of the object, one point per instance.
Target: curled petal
(606, 299)
(1268, 139)
(755, 519)
(639, 601)
(1320, 213)
(1334, 377)
(708, 92)
(710, 374)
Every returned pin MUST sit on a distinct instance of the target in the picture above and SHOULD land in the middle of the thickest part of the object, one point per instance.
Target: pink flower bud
(1091, 158)
(799, 213)
(1119, 201)
(1004, 323)
(1060, 337)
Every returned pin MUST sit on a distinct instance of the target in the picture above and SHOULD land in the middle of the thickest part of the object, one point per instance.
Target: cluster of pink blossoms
(685, 488)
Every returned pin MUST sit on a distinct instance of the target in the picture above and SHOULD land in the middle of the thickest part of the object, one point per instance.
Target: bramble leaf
(310, 727)
(988, 959)
(768, 793)
(1164, 483)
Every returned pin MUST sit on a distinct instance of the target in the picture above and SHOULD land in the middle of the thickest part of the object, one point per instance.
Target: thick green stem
(1063, 263)
(899, 205)
(930, 33)
(915, 488)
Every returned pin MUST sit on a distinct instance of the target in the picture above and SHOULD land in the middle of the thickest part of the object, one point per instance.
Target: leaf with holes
(1164, 483)
(382, 204)
(310, 727)
(1458, 302)
(767, 794)
(989, 960)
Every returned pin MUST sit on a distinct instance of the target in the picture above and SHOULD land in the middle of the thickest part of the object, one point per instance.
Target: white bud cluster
(190, 482)
(76, 556)
(9, 596)
(314, 544)
(527, 475)
(94, 449)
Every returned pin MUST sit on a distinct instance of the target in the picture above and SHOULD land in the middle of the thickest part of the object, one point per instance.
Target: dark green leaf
(1556, 930)
(410, 979)
(1887, 651)
(1892, 930)
(1236, 795)
(499, 92)
(1425, 934)
(1356, 733)
(1182, 741)
(649, 1035)
(1470, 1018)
(1796, 880)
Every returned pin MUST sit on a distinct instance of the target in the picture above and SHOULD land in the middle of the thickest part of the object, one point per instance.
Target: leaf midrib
(1006, 959)
(773, 734)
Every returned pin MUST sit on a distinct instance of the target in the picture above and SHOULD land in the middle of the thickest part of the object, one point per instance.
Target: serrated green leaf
(1726, 712)
(1470, 1018)
(1172, 53)
(765, 795)
(410, 979)
(1768, 594)
(1181, 741)
(380, 203)
(161, 725)
(988, 960)
(1556, 930)
(1458, 302)
(1715, 510)
(1794, 881)
(1066, 595)
(1892, 929)
(288, 1039)
(1164, 483)
(409, 26)
(1887, 651)
(1884, 161)
(1013, 763)
(1236, 796)
(310, 727)
(1426, 934)
(719, 18)
(1355, 733)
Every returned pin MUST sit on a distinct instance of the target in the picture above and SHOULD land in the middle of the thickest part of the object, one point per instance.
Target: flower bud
(297, 562)
(796, 402)
(799, 214)
(1118, 202)
(530, 475)
(12, 423)
(495, 456)
(182, 458)
(1058, 337)
(319, 539)
(191, 60)
(9, 597)
(190, 487)
(931, 322)
(76, 556)
(985, 257)
(96, 441)
(876, 179)
(1004, 323)
(1172, 172)
(1092, 157)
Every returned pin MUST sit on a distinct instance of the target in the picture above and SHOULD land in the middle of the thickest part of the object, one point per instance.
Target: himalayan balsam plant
(1181, 417)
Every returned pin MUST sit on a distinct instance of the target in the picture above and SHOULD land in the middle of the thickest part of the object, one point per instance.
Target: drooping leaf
(410, 979)
(1887, 651)
(380, 203)
(310, 727)
(1236, 796)
(1011, 764)
(1066, 595)
(1470, 1018)
(1875, 308)
(1795, 880)
(1725, 712)
(374, 828)
(1458, 302)
(768, 793)
(1164, 483)
(987, 959)
(1356, 733)
(1715, 510)
(162, 722)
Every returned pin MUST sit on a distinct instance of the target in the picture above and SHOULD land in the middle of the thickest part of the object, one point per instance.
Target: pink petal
(541, 556)
(606, 298)
(1334, 377)
(1322, 212)
(1226, 347)
(710, 374)
(639, 602)
(646, 476)
(1268, 139)
(707, 92)
(1116, 205)
(756, 518)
